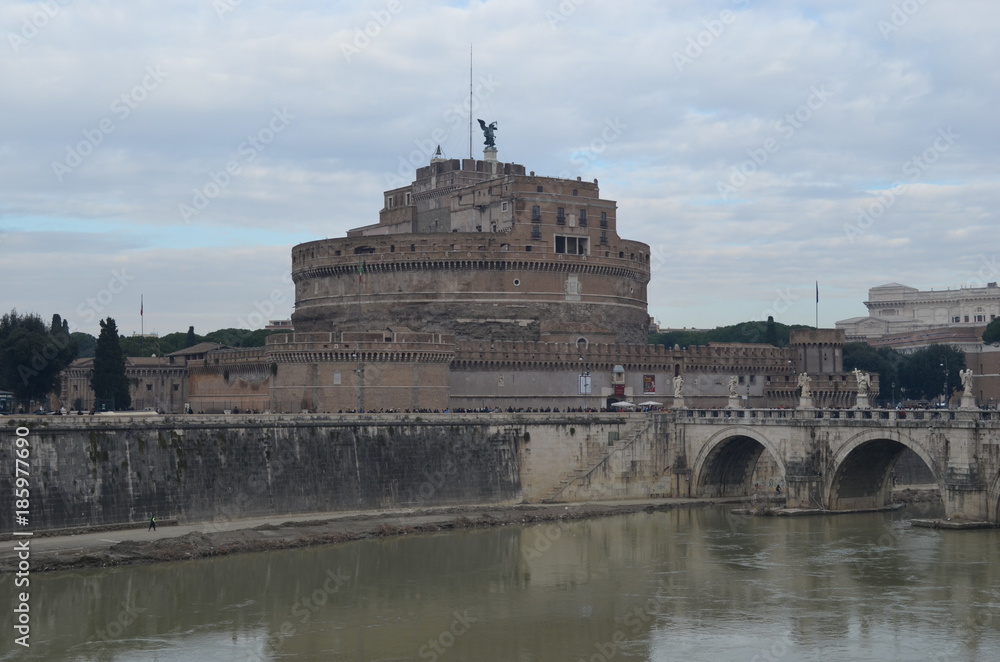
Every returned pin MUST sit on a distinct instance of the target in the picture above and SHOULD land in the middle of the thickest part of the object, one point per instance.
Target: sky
(164, 157)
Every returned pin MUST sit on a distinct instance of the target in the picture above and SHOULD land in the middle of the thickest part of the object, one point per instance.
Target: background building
(907, 319)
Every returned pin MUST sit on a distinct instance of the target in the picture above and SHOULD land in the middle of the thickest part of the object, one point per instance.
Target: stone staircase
(633, 431)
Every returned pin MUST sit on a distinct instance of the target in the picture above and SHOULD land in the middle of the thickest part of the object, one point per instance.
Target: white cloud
(553, 82)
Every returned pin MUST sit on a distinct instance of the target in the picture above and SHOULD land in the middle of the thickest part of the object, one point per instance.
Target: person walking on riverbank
(152, 523)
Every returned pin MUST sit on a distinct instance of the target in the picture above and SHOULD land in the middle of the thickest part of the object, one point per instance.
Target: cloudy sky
(174, 152)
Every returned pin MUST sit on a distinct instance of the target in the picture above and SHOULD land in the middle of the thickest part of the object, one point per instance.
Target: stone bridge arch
(993, 500)
(861, 467)
(724, 465)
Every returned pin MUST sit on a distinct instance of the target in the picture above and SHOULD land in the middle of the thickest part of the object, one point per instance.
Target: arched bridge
(837, 459)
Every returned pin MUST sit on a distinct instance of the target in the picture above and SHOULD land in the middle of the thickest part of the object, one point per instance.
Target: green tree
(85, 344)
(754, 332)
(992, 333)
(108, 379)
(191, 340)
(32, 355)
(883, 361)
(927, 372)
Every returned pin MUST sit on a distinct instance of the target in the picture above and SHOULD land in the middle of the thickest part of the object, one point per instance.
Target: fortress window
(604, 219)
(527, 249)
(407, 198)
(363, 250)
(538, 189)
(536, 213)
(503, 206)
(583, 218)
(572, 245)
(604, 240)
(574, 191)
(561, 216)
(413, 248)
(388, 202)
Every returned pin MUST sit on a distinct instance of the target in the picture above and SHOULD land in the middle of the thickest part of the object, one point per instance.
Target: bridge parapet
(775, 416)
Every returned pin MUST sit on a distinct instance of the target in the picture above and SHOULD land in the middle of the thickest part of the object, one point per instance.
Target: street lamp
(894, 395)
(944, 392)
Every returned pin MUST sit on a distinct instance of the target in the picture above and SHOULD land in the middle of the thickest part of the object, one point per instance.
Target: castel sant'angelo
(484, 286)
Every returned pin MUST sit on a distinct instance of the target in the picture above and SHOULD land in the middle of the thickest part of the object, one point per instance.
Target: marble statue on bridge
(864, 381)
(968, 397)
(804, 383)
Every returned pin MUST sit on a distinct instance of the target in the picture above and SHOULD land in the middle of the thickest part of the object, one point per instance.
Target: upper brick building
(481, 286)
(484, 251)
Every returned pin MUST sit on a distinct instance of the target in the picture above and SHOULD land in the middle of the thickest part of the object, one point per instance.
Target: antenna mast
(470, 101)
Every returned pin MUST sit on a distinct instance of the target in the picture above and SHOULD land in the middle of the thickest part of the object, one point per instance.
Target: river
(688, 584)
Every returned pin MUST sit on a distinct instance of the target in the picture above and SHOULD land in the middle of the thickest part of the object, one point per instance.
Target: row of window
(536, 216)
(957, 319)
(390, 200)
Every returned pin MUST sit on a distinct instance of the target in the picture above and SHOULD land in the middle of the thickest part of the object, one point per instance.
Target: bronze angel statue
(488, 130)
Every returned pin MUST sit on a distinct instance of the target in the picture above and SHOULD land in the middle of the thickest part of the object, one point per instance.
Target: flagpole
(817, 305)
(142, 327)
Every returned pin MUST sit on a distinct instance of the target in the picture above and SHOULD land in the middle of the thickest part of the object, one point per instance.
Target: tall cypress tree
(108, 379)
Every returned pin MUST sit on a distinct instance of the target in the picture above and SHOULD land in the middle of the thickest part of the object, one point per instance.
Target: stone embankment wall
(103, 470)
(87, 471)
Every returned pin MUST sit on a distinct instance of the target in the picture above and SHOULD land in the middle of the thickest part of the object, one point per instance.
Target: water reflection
(689, 584)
